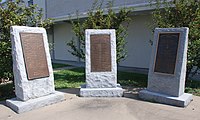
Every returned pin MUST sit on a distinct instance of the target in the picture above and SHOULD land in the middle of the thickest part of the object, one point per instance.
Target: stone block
(25, 106)
(181, 101)
(101, 92)
(101, 64)
(167, 71)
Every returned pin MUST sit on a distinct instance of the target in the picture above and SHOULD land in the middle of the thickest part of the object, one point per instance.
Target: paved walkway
(125, 108)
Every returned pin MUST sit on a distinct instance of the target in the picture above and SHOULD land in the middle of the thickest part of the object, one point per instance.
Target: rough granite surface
(21, 106)
(25, 89)
(169, 88)
(173, 85)
(101, 79)
(101, 84)
(181, 101)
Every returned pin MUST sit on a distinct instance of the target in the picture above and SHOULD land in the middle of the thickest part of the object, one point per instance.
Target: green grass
(193, 87)
(75, 77)
(132, 79)
(58, 65)
(6, 91)
(69, 78)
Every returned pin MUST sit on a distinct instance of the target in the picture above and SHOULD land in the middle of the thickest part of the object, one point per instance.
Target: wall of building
(138, 45)
(41, 4)
(63, 34)
(63, 8)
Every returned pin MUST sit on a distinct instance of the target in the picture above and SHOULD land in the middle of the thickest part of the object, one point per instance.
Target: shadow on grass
(132, 79)
(193, 87)
(6, 91)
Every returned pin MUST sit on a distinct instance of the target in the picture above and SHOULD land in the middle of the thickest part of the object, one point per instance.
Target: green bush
(182, 13)
(15, 13)
(98, 19)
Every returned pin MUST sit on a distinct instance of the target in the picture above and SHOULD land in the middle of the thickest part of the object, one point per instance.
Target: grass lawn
(75, 77)
(193, 87)
(69, 78)
(6, 91)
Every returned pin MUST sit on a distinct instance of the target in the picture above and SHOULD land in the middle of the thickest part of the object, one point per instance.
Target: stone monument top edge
(172, 29)
(99, 31)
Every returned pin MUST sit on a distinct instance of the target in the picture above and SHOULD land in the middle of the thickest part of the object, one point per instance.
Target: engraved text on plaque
(34, 55)
(100, 53)
(166, 53)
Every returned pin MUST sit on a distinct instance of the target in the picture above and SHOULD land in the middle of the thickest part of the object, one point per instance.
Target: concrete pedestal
(25, 106)
(101, 92)
(181, 101)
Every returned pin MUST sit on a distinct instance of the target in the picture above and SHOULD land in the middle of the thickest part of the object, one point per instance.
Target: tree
(15, 13)
(98, 19)
(182, 13)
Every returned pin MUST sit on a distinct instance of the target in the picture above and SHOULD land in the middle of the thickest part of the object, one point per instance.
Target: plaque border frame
(110, 53)
(25, 59)
(112, 34)
(107, 78)
(154, 62)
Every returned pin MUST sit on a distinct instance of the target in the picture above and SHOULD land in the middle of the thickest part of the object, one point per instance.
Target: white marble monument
(167, 71)
(32, 68)
(100, 65)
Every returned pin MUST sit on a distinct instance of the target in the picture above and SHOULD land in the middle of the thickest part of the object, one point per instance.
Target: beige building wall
(63, 34)
(138, 45)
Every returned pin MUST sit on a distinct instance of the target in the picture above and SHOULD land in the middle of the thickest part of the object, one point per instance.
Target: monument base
(101, 92)
(181, 101)
(25, 106)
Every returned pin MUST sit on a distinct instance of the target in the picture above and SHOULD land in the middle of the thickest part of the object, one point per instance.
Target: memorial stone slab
(101, 66)
(32, 68)
(167, 71)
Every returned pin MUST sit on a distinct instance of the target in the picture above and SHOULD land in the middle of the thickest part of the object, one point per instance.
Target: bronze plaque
(167, 53)
(100, 53)
(34, 55)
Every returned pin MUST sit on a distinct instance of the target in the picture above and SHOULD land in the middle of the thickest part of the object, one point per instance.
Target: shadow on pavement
(3, 103)
(70, 91)
(130, 92)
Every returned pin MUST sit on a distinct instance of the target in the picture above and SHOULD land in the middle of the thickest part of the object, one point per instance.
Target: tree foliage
(182, 13)
(15, 13)
(99, 18)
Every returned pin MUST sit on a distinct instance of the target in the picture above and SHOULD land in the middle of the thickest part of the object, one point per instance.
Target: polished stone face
(34, 55)
(100, 53)
(167, 47)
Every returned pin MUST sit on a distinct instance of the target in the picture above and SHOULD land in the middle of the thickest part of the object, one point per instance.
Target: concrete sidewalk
(126, 108)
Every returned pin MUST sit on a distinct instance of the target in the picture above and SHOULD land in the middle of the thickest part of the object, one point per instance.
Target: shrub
(15, 13)
(98, 19)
